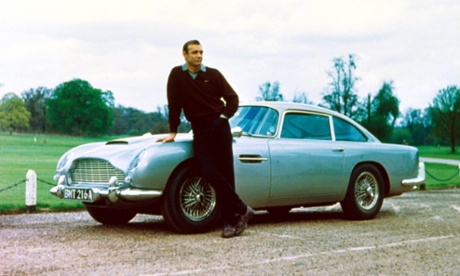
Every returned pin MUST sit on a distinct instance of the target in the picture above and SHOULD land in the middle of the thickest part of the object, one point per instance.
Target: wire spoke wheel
(367, 191)
(197, 198)
(189, 203)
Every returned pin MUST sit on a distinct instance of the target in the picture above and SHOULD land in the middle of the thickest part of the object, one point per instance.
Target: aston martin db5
(286, 155)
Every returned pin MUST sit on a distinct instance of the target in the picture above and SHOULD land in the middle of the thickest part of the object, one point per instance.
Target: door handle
(338, 149)
(251, 158)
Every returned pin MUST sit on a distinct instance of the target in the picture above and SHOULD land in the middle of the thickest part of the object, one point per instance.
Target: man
(198, 91)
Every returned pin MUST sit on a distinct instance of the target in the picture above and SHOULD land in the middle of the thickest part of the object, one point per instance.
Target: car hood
(121, 152)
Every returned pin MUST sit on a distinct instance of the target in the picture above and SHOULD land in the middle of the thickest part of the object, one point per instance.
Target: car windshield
(256, 120)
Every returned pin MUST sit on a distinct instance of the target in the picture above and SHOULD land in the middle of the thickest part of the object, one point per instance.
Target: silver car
(286, 155)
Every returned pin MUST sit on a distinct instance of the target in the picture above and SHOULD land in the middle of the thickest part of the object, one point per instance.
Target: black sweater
(200, 98)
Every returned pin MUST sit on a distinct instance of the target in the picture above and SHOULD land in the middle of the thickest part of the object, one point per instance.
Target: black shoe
(242, 223)
(228, 231)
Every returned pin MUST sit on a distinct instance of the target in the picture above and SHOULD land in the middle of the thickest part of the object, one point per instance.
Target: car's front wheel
(189, 204)
(365, 193)
(110, 215)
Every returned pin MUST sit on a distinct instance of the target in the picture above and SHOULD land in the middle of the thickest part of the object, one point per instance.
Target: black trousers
(213, 152)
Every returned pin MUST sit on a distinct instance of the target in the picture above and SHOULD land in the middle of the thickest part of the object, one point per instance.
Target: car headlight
(137, 161)
(64, 159)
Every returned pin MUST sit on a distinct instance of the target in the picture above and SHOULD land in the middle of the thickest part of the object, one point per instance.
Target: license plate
(79, 194)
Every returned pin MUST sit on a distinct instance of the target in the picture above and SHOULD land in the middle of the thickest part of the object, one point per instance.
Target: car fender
(160, 161)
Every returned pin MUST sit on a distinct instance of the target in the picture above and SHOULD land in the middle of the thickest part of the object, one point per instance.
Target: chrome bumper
(419, 180)
(110, 193)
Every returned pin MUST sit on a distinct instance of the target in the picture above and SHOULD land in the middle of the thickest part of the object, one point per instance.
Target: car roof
(288, 106)
(283, 107)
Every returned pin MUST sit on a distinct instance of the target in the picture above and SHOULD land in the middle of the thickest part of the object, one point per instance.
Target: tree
(384, 110)
(445, 113)
(270, 92)
(301, 98)
(36, 103)
(341, 95)
(13, 113)
(418, 123)
(76, 108)
(128, 120)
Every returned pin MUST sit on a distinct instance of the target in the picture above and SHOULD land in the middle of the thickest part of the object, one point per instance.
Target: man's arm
(174, 107)
(174, 101)
(230, 97)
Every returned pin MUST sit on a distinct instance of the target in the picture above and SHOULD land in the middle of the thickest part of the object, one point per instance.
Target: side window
(306, 126)
(345, 131)
(256, 120)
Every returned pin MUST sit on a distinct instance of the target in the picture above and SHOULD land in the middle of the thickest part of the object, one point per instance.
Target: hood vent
(117, 142)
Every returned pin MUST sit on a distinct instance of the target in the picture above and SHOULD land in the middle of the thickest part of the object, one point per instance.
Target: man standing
(198, 91)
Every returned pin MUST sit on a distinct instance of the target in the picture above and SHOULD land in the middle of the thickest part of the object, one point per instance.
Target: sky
(129, 47)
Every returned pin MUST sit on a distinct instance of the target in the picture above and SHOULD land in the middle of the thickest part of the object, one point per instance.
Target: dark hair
(190, 42)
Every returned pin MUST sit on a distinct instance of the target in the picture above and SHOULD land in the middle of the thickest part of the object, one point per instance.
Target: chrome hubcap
(197, 198)
(367, 191)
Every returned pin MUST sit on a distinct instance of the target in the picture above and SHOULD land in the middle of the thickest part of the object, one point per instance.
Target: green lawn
(22, 152)
(439, 152)
(439, 176)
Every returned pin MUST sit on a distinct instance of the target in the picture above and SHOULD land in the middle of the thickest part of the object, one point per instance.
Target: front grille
(94, 171)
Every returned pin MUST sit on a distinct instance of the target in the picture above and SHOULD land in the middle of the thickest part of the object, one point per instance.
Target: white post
(31, 191)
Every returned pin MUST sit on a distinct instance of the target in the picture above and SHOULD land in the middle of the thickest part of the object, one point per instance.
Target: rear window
(344, 131)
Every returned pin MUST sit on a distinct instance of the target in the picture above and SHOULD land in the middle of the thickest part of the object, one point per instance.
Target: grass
(439, 152)
(440, 176)
(21, 152)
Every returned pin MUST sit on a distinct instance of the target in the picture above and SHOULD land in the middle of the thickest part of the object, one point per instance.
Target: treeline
(379, 112)
(76, 108)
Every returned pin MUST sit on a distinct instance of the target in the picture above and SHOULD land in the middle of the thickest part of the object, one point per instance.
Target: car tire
(110, 215)
(365, 193)
(189, 204)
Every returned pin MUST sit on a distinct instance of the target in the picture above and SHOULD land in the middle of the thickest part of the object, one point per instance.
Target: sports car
(286, 155)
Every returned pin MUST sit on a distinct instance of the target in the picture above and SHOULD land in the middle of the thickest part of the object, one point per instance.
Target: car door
(307, 165)
(252, 170)
(251, 156)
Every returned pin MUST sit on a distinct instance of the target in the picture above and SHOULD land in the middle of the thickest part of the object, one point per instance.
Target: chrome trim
(113, 194)
(137, 195)
(251, 158)
(237, 132)
(91, 170)
(419, 180)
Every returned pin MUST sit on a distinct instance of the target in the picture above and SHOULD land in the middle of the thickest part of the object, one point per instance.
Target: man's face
(194, 57)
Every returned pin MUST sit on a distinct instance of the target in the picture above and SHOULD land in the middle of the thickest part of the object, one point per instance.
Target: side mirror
(237, 131)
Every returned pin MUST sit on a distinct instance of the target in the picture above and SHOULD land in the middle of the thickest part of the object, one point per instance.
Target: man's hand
(167, 139)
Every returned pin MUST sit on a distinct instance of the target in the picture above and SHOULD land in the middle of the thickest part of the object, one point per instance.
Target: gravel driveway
(414, 234)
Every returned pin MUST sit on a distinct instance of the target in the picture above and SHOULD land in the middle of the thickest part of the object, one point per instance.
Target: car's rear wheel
(189, 203)
(110, 215)
(365, 193)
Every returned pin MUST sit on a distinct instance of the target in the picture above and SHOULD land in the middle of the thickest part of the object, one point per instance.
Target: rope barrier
(46, 182)
(54, 184)
(24, 181)
(13, 185)
(443, 180)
